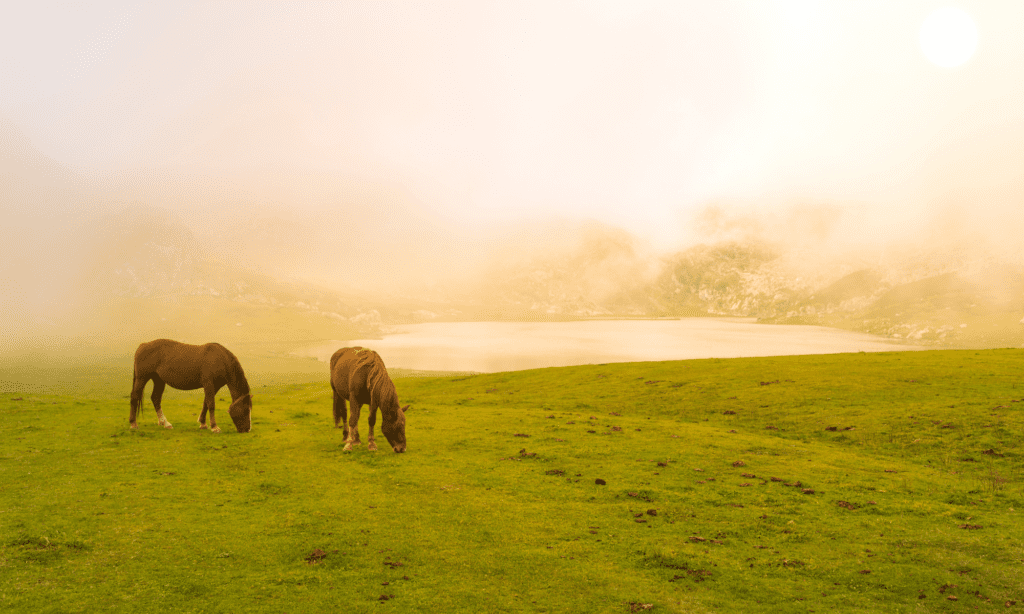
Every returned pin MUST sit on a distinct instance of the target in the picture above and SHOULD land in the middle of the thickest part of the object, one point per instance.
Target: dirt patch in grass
(43, 549)
(315, 556)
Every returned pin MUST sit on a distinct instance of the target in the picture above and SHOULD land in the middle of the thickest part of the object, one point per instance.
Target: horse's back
(182, 365)
(341, 353)
(151, 354)
(346, 374)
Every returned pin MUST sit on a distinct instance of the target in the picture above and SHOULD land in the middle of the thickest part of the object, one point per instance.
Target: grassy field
(843, 483)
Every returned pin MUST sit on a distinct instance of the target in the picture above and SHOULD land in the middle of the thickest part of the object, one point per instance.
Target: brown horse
(358, 375)
(188, 367)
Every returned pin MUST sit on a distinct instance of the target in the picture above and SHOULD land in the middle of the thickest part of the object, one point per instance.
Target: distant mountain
(950, 297)
(71, 259)
(141, 252)
(147, 253)
(606, 272)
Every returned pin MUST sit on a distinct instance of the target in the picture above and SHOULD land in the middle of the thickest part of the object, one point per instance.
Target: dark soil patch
(697, 575)
(315, 556)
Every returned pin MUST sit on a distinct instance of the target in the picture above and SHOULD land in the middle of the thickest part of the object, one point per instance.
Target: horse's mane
(377, 379)
(241, 383)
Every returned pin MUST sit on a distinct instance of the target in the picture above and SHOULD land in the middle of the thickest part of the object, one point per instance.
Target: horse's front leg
(353, 423)
(209, 404)
(371, 443)
(158, 393)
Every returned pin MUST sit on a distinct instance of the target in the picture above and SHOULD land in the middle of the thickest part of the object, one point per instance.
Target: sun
(948, 37)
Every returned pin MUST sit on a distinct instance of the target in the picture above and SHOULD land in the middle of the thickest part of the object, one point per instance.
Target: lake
(488, 347)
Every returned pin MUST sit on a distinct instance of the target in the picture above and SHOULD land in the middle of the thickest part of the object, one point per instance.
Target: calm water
(509, 346)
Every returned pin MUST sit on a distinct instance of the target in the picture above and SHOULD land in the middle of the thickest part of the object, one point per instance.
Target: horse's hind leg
(371, 443)
(206, 408)
(158, 393)
(138, 386)
(353, 423)
(340, 413)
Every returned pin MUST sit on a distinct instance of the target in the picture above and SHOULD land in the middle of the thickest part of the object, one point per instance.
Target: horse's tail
(136, 403)
(136, 400)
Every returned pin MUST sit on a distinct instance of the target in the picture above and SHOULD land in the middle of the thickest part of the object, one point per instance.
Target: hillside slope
(846, 483)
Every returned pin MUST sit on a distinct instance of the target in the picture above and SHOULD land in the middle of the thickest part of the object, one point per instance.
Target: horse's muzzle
(243, 424)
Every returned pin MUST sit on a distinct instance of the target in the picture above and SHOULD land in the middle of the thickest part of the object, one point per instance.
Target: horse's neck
(237, 385)
(383, 388)
(388, 400)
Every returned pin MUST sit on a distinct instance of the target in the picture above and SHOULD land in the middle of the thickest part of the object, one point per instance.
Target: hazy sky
(633, 113)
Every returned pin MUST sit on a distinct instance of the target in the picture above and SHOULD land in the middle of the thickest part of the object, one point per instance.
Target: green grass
(478, 518)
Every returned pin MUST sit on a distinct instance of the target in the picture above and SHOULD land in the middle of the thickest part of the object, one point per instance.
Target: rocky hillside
(943, 298)
(949, 297)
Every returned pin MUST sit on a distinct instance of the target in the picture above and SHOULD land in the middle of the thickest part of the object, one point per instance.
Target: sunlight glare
(948, 37)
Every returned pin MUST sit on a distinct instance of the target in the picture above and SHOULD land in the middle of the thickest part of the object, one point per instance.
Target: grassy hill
(854, 483)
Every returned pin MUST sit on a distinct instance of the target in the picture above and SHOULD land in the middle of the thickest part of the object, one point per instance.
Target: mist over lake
(489, 347)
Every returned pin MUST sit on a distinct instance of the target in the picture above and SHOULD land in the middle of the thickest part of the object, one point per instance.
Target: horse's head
(240, 411)
(394, 429)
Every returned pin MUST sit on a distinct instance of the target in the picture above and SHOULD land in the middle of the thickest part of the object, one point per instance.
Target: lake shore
(487, 347)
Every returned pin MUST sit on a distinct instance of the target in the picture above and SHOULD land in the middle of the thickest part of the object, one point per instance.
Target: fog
(548, 158)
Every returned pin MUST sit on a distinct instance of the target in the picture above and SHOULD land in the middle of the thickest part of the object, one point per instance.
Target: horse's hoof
(203, 426)
(347, 448)
(372, 447)
(215, 429)
(133, 427)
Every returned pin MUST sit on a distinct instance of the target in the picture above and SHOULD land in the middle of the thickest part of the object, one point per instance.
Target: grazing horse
(358, 376)
(188, 367)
